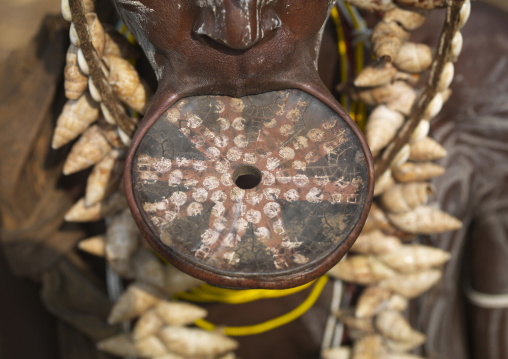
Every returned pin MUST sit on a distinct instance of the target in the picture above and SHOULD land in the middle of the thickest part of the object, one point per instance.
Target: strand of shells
(100, 144)
(393, 269)
(161, 330)
(161, 325)
(84, 105)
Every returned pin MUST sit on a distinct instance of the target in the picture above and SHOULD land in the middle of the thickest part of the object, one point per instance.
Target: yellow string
(273, 323)
(360, 110)
(357, 110)
(207, 293)
(341, 44)
(128, 35)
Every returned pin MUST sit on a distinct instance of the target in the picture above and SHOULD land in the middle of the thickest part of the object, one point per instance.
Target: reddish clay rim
(278, 280)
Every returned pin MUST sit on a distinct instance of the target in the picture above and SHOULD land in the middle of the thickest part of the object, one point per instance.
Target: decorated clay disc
(259, 187)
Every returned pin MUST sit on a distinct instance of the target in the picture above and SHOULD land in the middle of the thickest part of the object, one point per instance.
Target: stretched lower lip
(309, 182)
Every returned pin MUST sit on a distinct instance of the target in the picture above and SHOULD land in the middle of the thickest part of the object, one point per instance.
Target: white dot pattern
(289, 174)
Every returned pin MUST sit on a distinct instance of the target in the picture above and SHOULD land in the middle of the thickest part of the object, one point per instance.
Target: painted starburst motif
(222, 139)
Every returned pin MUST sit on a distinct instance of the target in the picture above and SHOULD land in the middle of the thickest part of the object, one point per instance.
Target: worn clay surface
(302, 169)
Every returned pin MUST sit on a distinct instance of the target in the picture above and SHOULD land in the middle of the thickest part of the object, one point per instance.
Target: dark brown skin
(195, 51)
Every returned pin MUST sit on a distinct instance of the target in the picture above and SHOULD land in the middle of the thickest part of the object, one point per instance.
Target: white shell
(83, 65)
(353, 322)
(427, 149)
(409, 19)
(402, 347)
(137, 299)
(126, 83)
(107, 115)
(398, 302)
(369, 347)
(122, 239)
(404, 102)
(387, 39)
(94, 92)
(446, 77)
(411, 285)
(421, 131)
(377, 220)
(66, 10)
(393, 325)
(375, 242)
(148, 324)
(400, 356)
(104, 178)
(111, 205)
(120, 345)
(382, 125)
(425, 220)
(179, 313)
(75, 81)
(191, 342)
(404, 197)
(414, 257)
(465, 11)
(73, 35)
(434, 107)
(150, 346)
(402, 156)
(174, 356)
(76, 117)
(372, 301)
(361, 269)
(446, 94)
(89, 149)
(148, 268)
(376, 75)
(126, 139)
(176, 281)
(383, 183)
(93, 245)
(413, 57)
(457, 43)
(336, 353)
(230, 355)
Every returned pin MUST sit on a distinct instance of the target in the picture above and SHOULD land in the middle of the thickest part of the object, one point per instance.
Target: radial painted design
(311, 192)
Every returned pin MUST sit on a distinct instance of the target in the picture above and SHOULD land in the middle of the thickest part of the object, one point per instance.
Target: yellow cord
(207, 293)
(128, 35)
(342, 52)
(360, 111)
(273, 323)
(356, 109)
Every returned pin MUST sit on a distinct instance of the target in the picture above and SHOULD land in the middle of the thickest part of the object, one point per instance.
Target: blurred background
(19, 20)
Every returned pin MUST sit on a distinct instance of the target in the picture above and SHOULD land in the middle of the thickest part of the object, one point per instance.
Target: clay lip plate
(261, 187)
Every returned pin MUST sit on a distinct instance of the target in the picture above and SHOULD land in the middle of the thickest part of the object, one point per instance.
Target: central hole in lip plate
(247, 177)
